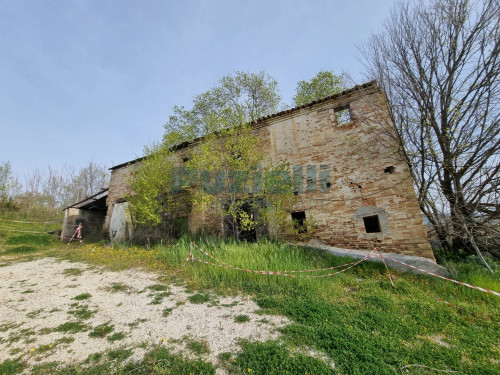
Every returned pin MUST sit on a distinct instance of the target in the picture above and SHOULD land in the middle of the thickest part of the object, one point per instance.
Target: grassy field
(23, 238)
(356, 319)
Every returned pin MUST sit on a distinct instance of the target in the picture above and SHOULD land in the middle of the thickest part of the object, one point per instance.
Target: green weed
(167, 311)
(136, 323)
(72, 272)
(116, 336)
(82, 312)
(198, 347)
(241, 318)
(7, 326)
(226, 356)
(158, 298)
(158, 287)
(82, 296)
(199, 298)
(71, 327)
(118, 287)
(102, 330)
(34, 314)
(11, 367)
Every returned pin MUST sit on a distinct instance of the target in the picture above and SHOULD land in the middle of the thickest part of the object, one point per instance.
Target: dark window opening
(389, 170)
(181, 226)
(328, 185)
(299, 223)
(343, 114)
(372, 224)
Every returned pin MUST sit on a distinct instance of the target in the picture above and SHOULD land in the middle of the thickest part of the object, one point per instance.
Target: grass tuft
(241, 318)
(199, 298)
(71, 327)
(102, 330)
(117, 336)
(72, 272)
(82, 312)
(198, 347)
(166, 311)
(82, 296)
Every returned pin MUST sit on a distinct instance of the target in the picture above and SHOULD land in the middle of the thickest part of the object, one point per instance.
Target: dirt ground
(49, 311)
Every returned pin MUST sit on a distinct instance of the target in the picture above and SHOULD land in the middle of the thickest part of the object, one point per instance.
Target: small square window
(299, 221)
(343, 115)
(372, 224)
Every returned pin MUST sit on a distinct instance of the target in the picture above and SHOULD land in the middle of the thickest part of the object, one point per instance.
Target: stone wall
(367, 176)
(118, 189)
(355, 184)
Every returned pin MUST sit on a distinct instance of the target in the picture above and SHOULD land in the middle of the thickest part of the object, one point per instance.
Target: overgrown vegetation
(224, 178)
(356, 319)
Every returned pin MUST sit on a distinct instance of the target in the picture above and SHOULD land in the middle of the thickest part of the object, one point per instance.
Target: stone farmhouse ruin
(355, 184)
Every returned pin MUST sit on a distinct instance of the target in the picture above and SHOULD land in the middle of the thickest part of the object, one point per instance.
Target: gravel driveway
(53, 310)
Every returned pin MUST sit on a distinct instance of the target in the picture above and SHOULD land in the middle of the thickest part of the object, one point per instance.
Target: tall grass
(362, 323)
(357, 318)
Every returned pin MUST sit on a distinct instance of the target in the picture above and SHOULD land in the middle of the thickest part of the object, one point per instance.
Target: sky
(85, 80)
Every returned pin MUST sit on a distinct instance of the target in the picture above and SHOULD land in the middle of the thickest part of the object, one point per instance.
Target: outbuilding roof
(94, 202)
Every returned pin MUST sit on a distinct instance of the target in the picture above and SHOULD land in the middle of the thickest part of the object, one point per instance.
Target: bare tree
(438, 62)
(34, 181)
(90, 180)
(56, 189)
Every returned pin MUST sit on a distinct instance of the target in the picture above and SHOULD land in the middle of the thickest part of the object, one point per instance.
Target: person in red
(77, 234)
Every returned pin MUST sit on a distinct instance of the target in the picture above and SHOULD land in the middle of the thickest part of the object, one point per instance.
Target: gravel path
(39, 312)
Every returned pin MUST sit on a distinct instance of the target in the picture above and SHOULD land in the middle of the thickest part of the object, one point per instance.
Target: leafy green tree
(9, 185)
(324, 84)
(236, 187)
(237, 99)
(224, 175)
(152, 197)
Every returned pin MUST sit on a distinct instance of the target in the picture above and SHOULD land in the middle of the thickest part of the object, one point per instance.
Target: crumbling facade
(353, 181)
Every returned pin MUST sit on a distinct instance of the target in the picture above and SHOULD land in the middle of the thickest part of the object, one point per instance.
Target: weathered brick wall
(357, 156)
(118, 189)
(367, 175)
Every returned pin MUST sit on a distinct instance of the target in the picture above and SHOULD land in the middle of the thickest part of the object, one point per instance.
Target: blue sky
(82, 80)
